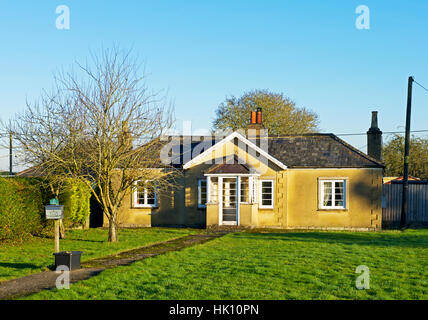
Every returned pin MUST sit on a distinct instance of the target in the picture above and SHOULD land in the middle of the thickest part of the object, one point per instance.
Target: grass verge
(272, 265)
(37, 255)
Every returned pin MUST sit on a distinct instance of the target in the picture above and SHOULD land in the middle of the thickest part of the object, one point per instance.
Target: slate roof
(30, 172)
(235, 167)
(313, 150)
(228, 168)
(319, 151)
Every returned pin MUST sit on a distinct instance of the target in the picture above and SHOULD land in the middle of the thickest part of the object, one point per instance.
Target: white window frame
(240, 190)
(145, 204)
(261, 194)
(333, 194)
(201, 205)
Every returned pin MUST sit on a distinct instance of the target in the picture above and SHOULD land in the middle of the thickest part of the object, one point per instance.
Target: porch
(232, 199)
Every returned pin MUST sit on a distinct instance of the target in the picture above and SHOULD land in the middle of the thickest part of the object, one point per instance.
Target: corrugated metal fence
(417, 205)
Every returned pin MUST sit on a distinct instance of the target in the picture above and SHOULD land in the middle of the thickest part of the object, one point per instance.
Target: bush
(22, 212)
(76, 201)
(21, 208)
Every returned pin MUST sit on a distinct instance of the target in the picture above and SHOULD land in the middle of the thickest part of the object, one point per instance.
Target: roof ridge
(268, 136)
(299, 134)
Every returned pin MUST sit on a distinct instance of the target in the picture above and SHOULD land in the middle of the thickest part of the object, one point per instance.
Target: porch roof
(225, 168)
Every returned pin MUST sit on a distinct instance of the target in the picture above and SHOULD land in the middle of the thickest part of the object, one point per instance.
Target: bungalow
(310, 181)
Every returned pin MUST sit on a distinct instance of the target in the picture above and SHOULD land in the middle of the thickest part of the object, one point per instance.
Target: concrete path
(47, 280)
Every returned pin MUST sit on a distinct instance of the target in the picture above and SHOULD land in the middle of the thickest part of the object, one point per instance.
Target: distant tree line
(393, 155)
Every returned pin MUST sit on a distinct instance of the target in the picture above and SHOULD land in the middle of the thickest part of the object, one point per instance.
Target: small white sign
(54, 212)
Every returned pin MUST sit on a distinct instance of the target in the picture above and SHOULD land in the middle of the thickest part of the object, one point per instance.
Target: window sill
(145, 207)
(333, 210)
(266, 208)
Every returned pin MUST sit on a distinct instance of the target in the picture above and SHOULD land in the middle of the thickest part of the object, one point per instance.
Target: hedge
(21, 208)
(22, 213)
(76, 201)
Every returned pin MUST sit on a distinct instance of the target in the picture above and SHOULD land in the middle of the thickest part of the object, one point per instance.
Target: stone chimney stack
(256, 130)
(126, 137)
(374, 139)
(256, 122)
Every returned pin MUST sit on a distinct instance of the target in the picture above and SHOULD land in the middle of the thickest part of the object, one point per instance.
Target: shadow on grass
(86, 240)
(18, 265)
(358, 238)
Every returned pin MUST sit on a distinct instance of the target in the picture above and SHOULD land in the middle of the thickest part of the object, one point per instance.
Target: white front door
(229, 201)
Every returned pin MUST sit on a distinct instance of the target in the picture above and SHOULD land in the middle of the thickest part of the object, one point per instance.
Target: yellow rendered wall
(194, 216)
(170, 210)
(364, 199)
(212, 215)
(250, 215)
(128, 216)
(246, 215)
(296, 199)
(230, 149)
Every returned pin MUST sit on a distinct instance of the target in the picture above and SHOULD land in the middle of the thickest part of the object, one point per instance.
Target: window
(202, 193)
(145, 195)
(245, 192)
(213, 190)
(266, 194)
(333, 194)
(253, 182)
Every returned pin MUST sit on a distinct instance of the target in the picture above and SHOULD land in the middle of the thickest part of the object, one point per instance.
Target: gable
(227, 147)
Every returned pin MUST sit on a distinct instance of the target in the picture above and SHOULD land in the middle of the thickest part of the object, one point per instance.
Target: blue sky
(203, 51)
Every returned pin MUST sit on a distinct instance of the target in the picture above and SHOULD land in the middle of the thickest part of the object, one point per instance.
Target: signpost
(55, 212)
(69, 260)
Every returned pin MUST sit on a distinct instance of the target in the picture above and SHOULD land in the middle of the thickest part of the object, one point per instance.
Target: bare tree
(101, 126)
(40, 137)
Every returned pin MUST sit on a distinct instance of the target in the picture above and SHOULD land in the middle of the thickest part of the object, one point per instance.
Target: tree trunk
(112, 230)
(86, 225)
(61, 229)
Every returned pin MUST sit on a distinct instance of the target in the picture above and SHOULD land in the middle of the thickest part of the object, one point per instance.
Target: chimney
(374, 139)
(253, 117)
(259, 115)
(256, 120)
(255, 129)
(126, 137)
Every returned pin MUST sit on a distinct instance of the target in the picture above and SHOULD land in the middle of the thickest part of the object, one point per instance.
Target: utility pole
(406, 155)
(10, 154)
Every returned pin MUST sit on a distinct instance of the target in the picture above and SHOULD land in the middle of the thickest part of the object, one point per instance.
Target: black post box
(70, 259)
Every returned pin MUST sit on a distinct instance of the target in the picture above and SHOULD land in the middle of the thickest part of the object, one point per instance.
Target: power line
(420, 85)
(388, 132)
(362, 147)
(338, 134)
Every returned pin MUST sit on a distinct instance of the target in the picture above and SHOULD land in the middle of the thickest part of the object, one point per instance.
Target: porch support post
(208, 189)
(220, 201)
(250, 189)
(238, 200)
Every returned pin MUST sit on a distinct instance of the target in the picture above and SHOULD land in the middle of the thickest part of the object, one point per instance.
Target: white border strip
(229, 138)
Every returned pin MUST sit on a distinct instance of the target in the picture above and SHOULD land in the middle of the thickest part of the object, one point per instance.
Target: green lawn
(280, 265)
(37, 255)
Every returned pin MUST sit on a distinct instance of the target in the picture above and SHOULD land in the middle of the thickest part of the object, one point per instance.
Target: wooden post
(404, 208)
(61, 229)
(56, 235)
(10, 154)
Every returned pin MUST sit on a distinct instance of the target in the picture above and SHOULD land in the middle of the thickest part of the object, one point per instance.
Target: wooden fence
(417, 204)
